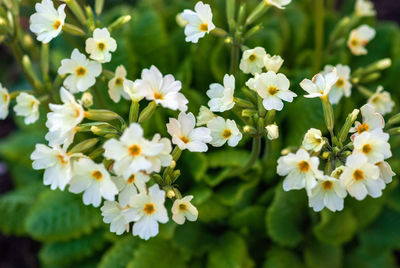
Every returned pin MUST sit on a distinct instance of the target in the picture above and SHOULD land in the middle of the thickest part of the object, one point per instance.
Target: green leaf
(212, 209)
(230, 252)
(364, 259)
(365, 211)
(282, 258)
(73, 250)
(250, 219)
(336, 228)
(14, 208)
(235, 192)
(195, 165)
(193, 238)
(119, 255)
(318, 255)
(285, 217)
(61, 216)
(158, 253)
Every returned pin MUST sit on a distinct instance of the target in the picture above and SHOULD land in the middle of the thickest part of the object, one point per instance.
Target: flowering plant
(141, 124)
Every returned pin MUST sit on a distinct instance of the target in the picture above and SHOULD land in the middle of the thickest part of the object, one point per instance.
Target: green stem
(319, 34)
(234, 58)
(134, 112)
(255, 152)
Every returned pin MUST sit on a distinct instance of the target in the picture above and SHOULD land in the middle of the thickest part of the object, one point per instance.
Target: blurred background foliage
(246, 221)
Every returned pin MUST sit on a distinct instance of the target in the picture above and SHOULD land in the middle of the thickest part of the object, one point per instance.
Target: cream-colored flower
(382, 101)
(47, 22)
(385, 171)
(81, 72)
(327, 193)
(364, 8)
(371, 120)
(253, 60)
(198, 23)
(4, 102)
(320, 85)
(205, 116)
(278, 3)
(119, 217)
(359, 38)
(342, 87)
(130, 186)
(272, 131)
(116, 85)
(100, 45)
(27, 106)
(374, 145)
(273, 63)
(221, 97)
(224, 131)
(313, 140)
(182, 209)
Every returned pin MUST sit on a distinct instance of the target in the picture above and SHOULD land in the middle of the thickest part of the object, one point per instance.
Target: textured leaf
(194, 238)
(230, 252)
(336, 228)
(282, 258)
(318, 255)
(60, 216)
(212, 209)
(285, 217)
(195, 165)
(73, 250)
(120, 254)
(234, 192)
(158, 253)
(363, 259)
(250, 218)
(365, 211)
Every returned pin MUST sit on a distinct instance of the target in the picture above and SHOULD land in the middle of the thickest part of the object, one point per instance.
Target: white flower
(205, 116)
(180, 21)
(221, 97)
(63, 119)
(364, 8)
(27, 106)
(118, 216)
(251, 82)
(56, 163)
(224, 131)
(313, 140)
(374, 145)
(100, 45)
(4, 102)
(131, 186)
(198, 23)
(327, 193)
(272, 131)
(149, 210)
(253, 60)
(370, 120)
(385, 171)
(131, 152)
(273, 63)
(92, 179)
(382, 101)
(359, 38)
(47, 22)
(186, 136)
(300, 170)
(361, 178)
(182, 209)
(130, 89)
(164, 158)
(273, 88)
(164, 90)
(116, 85)
(278, 3)
(82, 72)
(342, 85)
(320, 85)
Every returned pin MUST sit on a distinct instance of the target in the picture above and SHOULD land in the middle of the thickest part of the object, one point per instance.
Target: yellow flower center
(327, 185)
(97, 175)
(358, 175)
(354, 42)
(101, 46)
(5, 97)
(204, 27)
(304, 166)
(272, 90)
(182, 206)
(184, 139)
(366, 148)
(149, 208)
(252, 57)
(227, 133)
(134, 150)
(62, 159)
(80, 71)
(56, 24)
(158, 96)
(119, 81)
(131, 179)
(363, 127)
(340, 82)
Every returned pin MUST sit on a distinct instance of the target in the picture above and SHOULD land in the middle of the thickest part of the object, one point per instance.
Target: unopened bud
(119, 22)
(84, 146)
(328, 113)
(147, 112)
(272, 131)
(170, 194)
(351, 118)
(325, 155)
(87, 99)
(101, 115)
(384, 64)
(394, 119)
(249, 130)
(72, 29)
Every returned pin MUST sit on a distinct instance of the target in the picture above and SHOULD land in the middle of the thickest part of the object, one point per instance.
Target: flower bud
(119, 22)
(273, 63)
(147, 112)
(101, 115)
(272, 131)
(328, 113)
(249, 130)
(72, 29)
(170, 193)
(87, 99)
(84, 146)
(351, 118)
